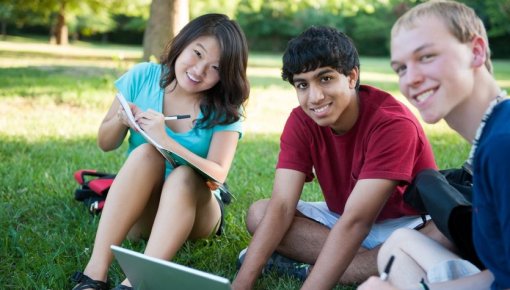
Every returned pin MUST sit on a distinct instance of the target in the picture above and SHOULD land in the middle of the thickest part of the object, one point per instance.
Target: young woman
(202, 74)
(439, 50)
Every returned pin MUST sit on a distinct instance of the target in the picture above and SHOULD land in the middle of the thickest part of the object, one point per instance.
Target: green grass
(51, 104)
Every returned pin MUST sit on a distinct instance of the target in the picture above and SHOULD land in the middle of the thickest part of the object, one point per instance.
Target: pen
(386, 273)
(177, 117)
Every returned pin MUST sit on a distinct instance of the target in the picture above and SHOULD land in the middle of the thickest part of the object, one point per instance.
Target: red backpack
(93, 188)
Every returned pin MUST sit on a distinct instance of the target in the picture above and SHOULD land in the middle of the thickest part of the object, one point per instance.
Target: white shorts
(319, 212)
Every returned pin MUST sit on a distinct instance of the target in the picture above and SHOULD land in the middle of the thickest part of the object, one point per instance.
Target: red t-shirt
(386, 142)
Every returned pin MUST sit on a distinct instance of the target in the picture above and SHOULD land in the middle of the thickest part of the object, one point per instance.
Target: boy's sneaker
(281, 265)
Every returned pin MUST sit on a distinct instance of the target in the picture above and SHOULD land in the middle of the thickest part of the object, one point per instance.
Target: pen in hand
(177, 117)
(386, 273)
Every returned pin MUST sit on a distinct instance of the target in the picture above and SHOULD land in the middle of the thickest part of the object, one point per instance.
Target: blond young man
(440, 51)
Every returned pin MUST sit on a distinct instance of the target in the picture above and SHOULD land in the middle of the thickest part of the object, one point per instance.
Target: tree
(64, 9)
(56, 14)
(498, 13)
(5, 15)
(227, 7)
(59, 30)
(166, 19)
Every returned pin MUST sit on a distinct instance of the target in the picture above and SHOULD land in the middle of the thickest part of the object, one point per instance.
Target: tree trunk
(166, 18)
(4, 29)
(61, 33)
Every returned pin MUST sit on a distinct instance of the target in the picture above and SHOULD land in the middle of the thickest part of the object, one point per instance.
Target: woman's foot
(84, 282)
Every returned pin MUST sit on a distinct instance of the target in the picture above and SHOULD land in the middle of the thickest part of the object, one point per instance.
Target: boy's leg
(431, 231)
(311, 226)
(417, 257)
(305, 238)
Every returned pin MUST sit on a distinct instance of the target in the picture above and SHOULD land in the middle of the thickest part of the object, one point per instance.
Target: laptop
(148, 273)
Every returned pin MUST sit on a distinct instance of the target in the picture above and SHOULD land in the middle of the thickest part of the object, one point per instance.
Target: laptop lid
(148, 273)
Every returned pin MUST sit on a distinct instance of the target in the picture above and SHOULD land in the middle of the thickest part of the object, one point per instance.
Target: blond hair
(460, 20)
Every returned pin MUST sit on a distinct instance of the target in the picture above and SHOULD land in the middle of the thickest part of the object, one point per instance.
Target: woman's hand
(153, 123)
(123, 118)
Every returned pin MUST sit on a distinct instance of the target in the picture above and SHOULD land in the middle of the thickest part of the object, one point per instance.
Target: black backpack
(446, 195)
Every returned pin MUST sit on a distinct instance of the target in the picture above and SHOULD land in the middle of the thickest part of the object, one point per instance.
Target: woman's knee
(147, 152)
(185, 176)
(255, 214)
(185, 182)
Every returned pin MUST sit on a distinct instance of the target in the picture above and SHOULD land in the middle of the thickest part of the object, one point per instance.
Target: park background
(54, 92)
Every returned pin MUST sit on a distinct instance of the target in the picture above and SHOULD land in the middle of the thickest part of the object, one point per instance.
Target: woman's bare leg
(128, 196)
(187, 210)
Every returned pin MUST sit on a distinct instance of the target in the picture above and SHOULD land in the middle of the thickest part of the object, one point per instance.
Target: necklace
(468, 165)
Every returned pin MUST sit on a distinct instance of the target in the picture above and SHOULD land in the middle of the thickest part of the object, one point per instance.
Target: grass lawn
(52, 101)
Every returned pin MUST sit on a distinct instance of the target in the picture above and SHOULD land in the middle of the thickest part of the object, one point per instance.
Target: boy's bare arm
(279, 214)
(363, 206)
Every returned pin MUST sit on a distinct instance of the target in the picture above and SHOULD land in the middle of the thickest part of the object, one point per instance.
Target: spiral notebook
(148, 273)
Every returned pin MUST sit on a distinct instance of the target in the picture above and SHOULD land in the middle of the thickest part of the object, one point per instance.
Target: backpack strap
(101, 185)
(80, 175)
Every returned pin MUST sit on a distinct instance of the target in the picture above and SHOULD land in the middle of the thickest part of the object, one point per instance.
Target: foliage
(270, 24)
(89, 22)
(371, 31)
(267, 24)
(83, 16)
(6, 11)
(227, 7)
(494, 13)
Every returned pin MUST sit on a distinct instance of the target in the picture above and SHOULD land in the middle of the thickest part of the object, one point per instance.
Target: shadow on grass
(54, 80)
(70, 57)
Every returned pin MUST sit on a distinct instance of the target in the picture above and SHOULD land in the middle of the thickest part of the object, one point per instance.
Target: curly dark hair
(224, 103)
(319, 46)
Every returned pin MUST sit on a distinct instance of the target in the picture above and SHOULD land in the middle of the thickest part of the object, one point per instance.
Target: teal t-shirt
(140, 85)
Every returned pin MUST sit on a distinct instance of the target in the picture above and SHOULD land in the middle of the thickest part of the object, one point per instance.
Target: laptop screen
(148, 273)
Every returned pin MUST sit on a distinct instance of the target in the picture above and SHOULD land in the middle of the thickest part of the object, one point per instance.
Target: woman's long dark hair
(224, 103)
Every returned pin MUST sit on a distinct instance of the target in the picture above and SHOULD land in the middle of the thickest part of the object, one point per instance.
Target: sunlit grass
(52, 101)
(77, 49)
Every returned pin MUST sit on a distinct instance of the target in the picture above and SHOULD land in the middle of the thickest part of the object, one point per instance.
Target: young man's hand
(376, 283)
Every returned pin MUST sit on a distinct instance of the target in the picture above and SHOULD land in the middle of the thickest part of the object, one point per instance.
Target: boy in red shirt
(362, 145)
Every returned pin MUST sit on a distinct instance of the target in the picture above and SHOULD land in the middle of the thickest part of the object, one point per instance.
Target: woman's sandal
(85, 282)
